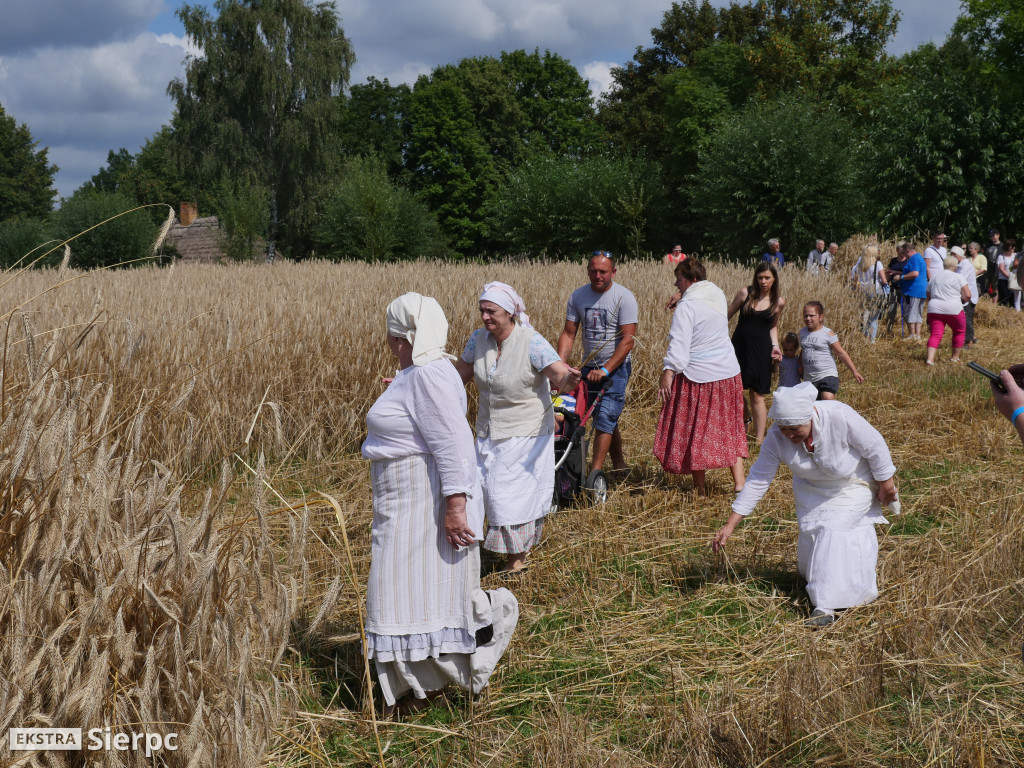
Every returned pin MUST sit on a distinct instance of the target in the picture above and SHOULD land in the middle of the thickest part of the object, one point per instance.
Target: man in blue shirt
(914, 281)
(773, 254)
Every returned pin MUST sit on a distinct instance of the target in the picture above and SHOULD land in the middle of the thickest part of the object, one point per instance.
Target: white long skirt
(423, 598)
(839, 566)
(518, 477)
(837, 550)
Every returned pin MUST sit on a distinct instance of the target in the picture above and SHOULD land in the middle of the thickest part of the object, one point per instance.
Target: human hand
(595, 376)
(456, 526)
(1009, 401)
(670, 305)
(776, 353)
(386, 381)
(859, 378)
(571, 379)
(887, 492)
(665, 385)
(721, 537)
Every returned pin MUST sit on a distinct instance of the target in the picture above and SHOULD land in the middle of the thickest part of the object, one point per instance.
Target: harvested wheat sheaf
(165, 434)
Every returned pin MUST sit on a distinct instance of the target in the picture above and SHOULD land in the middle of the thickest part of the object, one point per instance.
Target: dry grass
(636, 645)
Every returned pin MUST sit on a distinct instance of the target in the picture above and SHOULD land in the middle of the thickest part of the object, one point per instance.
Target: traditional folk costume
(701, 425)
(427, 619)
(834, 487)
(515, 426)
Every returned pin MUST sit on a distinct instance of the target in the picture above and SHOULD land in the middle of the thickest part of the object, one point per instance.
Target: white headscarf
(505, 296)
(793, 406)
(420, 320)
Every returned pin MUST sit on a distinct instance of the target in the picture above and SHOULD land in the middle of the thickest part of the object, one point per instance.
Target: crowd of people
(916, 280)
(440, 493)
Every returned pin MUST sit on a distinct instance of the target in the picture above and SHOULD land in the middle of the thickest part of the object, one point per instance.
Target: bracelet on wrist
(1015, 414)
(604, 370)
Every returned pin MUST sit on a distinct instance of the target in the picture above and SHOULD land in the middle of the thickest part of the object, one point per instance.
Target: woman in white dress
(428, 623)
(842, 476)
(514, 368)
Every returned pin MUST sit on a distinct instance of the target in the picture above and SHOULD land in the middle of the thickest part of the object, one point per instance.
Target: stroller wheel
(597, 486)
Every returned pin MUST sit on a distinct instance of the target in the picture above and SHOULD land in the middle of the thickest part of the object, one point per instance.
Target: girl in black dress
(756, 339)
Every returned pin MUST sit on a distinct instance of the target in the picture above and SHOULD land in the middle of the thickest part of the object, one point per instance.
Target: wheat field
(186, 532)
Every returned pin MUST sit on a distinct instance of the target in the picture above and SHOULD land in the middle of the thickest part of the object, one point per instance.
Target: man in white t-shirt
(935, 254)
(828, 258)
(814, 257)
(608, 313)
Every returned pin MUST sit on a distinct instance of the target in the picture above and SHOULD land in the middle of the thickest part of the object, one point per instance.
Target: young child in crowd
(790, 369)
(818, 343)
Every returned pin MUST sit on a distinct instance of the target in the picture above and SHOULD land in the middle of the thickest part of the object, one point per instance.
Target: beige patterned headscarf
(505, 296)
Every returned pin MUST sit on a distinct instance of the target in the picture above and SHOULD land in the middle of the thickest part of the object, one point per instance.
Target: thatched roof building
(195, 240)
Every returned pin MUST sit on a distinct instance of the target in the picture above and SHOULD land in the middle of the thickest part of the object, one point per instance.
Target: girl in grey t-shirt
(817, 345)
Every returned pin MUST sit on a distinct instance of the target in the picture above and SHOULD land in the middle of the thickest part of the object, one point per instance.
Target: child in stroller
(572, 449)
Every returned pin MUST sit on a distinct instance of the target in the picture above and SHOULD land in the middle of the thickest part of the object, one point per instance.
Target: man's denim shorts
(606, 417)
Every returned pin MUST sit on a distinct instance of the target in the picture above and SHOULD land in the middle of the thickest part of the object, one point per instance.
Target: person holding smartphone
(1011, 402)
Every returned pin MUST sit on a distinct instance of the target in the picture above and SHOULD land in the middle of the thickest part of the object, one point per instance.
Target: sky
(90, 76)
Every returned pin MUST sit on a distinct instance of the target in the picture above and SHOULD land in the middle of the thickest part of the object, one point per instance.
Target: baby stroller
(571, 451)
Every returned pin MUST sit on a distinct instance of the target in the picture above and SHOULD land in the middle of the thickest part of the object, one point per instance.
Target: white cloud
(83, 102)
(388, 35)
(599, 75)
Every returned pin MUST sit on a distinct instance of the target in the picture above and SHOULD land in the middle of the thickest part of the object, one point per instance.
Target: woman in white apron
(842, 476)
(515, 369)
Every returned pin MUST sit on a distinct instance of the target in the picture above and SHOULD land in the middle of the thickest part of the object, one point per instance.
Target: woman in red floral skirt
(701, 422)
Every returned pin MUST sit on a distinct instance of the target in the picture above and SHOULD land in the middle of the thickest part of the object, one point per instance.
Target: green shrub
(789, 168)
(124, 240)
(21, 241)
(367, 216)
(559, 206)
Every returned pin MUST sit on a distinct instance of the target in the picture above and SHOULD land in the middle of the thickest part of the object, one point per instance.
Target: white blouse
(698, 343)
(944, 293)
(848, 453)
(966, 270)
(424, 411)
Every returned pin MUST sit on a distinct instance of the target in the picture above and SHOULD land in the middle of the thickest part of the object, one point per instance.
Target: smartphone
(988, 374)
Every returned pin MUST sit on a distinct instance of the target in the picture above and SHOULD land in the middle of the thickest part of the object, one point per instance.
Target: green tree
(368, 216)
(995, 28)
(453, 168)
(472, 122)
(830, 48)
(150, 176)
(125, 240)
(562, 206)
(789, 168)
(262, 102)
(26, 177)
(242, 208)
(933, 165)
(696, 100)
(376, 122)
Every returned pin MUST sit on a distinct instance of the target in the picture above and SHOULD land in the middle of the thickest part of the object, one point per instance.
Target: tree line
(767, 118)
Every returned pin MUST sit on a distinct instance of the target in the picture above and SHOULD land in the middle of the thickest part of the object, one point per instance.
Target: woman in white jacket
(842, 476)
